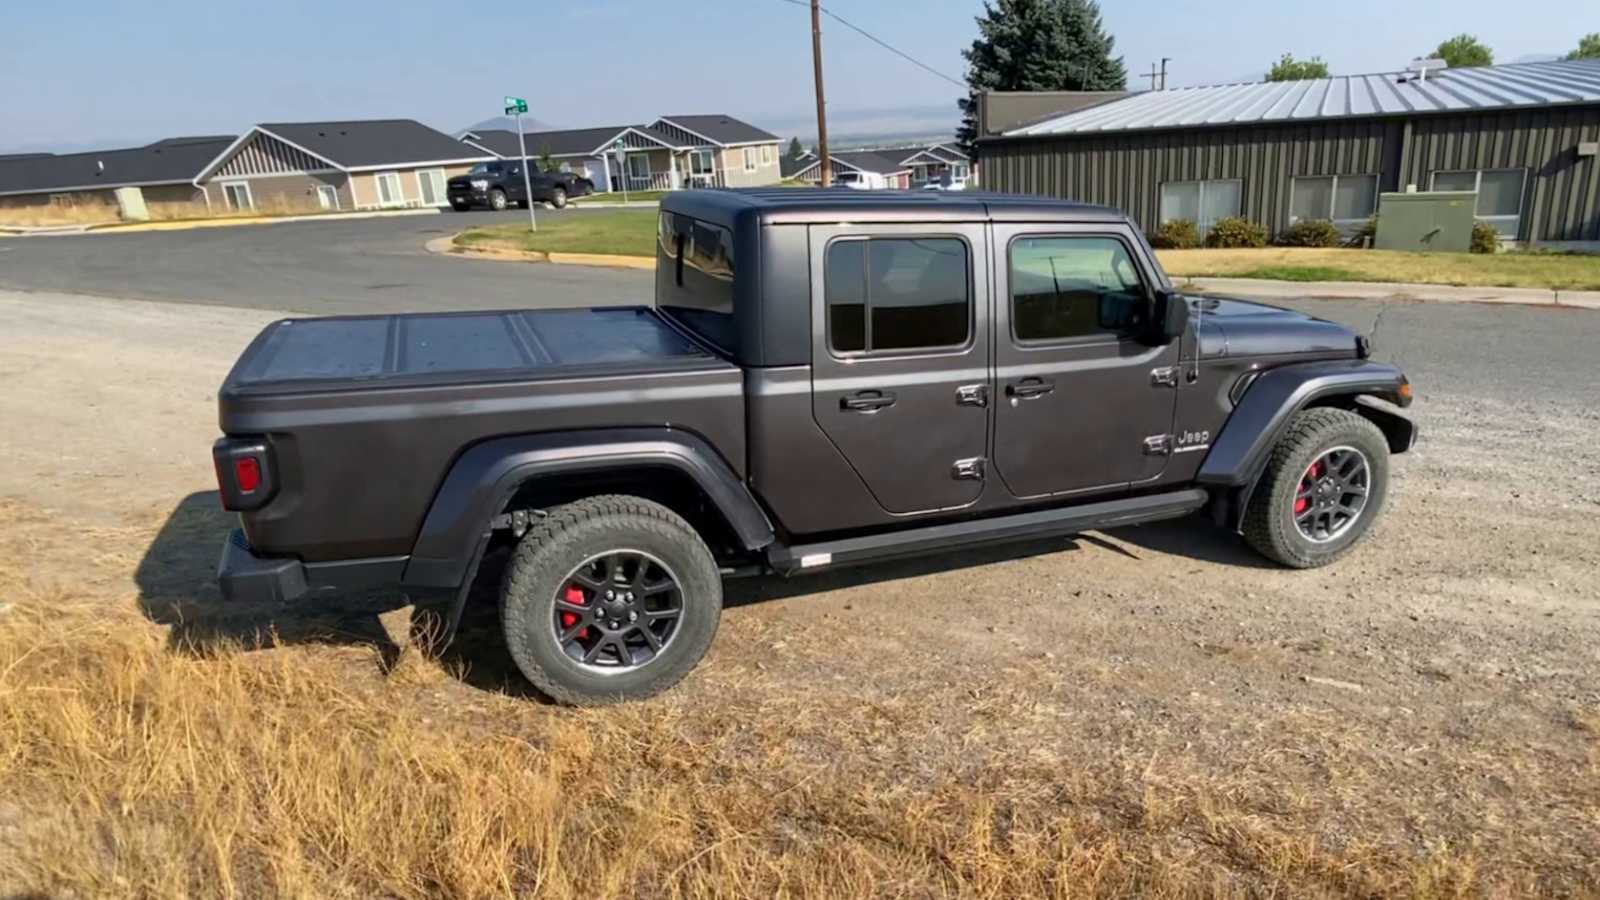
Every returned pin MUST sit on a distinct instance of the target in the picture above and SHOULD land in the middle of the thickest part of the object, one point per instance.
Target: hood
(1230, 327)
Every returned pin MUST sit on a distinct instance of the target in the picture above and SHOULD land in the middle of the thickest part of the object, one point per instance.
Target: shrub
(1484, 238)
(1178, 234)
(1310, 233)
(1236, 231)
(1366, 235)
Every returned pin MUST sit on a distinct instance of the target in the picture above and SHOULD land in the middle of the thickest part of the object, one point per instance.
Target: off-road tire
(497, 200)
(558, 198)
(1269, 525)
(561, 541)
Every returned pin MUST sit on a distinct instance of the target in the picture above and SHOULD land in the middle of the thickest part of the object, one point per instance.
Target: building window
(1073, 287)
(1499, 195)
(389, 189)
(897, 294)
(1201, 202)
(700, 162)
(1344, 199)
(328, 196)
(238, 196)
(766, 154)
(638, 165)
(430, 187)
(749, 159)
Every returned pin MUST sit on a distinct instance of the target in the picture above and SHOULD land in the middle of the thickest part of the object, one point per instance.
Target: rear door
(900, 359)
(1081, 405)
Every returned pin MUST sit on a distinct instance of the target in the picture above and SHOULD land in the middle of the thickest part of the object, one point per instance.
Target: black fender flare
(485, 477)
(1240, 453)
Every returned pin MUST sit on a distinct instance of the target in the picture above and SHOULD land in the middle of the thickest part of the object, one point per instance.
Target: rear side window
(694, 278)
(1071, 287)
(898, 294)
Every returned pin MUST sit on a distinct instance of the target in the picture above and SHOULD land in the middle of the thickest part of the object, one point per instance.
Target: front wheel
(609, 598)
(497, 200)
(558, 198)
(1322, 489)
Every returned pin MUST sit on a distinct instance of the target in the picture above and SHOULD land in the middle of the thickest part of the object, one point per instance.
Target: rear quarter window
(695, 268)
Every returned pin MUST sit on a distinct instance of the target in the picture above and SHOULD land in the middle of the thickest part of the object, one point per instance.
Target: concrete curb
(446, 246)
(596, 204)
(1354, 290)
(186, 224)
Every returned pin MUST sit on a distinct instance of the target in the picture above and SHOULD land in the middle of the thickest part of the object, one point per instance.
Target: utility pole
(1152, 76)
(826, 163)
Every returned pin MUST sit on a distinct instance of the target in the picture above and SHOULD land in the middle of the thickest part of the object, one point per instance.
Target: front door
(1077, 396)
(900, 359)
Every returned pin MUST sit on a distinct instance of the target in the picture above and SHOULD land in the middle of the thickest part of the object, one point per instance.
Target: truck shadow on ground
(177, 588)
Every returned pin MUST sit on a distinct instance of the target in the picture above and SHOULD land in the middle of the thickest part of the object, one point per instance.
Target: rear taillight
(245, 477)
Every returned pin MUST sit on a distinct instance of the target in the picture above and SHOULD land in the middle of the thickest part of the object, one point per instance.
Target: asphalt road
(322, 268)
(1515, 354)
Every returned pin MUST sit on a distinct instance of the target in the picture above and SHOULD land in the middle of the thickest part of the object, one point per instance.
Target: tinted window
(694, 277)
(897, 294)
(1064, 287)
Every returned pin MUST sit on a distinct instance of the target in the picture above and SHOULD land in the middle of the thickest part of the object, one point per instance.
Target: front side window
(1499, 195)
(897, 294)
(1201, 202)
(1070, 287)
(1345, 199)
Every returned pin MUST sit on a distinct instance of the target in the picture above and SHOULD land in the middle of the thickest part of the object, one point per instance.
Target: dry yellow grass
(129, 768)
(1534, 270)
(95, 213)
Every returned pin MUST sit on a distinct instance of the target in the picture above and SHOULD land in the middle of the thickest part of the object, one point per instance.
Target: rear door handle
(867, 401)
(1030, 387)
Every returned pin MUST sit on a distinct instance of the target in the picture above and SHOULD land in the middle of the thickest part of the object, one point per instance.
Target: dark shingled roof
(373, 142)
(567, 142)
(883, 162)
(720, 128)
(165, 162)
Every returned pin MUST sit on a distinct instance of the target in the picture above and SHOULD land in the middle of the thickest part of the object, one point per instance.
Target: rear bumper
(247, 578)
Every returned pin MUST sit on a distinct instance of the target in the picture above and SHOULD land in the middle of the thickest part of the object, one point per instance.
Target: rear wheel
(609, 598)
(1323, 488)
(558, 197)
(497, 200)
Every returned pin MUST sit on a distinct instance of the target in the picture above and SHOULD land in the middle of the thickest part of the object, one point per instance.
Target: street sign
(620, 146)
(515, 106)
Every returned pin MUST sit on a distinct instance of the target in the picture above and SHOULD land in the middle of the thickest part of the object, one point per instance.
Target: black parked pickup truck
(825, 378)
(499, 184)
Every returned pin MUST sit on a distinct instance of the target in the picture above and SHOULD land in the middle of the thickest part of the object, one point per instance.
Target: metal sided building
(1523, 136)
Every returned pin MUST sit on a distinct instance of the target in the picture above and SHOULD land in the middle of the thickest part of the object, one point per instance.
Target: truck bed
(365, 414)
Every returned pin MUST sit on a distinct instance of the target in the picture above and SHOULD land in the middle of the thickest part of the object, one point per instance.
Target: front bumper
(247, 578)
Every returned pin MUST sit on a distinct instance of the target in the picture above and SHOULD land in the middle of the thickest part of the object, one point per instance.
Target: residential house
(163, 172)
(1525, 138)
(371, 164)
(939, 164)
(670, 153)
(868, 169)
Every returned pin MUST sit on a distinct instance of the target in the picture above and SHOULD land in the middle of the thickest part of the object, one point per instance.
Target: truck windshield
(694, 278)
(490, 168)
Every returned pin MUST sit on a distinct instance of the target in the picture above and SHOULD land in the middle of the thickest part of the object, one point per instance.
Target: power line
(882, 43)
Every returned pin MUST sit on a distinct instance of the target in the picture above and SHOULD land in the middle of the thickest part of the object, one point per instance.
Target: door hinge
(1158, 445)
(968, 469)
(1165, 376)
(973, 395)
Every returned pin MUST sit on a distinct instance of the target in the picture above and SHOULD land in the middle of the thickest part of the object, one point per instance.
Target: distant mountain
(506, 123)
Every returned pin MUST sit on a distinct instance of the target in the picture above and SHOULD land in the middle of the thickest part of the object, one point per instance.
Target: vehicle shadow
(1192, 537)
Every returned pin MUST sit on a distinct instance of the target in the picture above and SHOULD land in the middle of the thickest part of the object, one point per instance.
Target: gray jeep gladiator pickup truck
(825, 378)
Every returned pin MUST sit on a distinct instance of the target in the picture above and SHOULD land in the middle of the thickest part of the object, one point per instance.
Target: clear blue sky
(87, 72)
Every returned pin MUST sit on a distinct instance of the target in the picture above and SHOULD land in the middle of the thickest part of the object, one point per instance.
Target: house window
(639, 165)
(1499, 195)
(700, 162)
(328, 196)
(766, 154)
(1071, 287)
(237, 194)
(1344, 199)
(389, 189)
(749, 159)
(896, 294)
(1201, 202)
(430, 187)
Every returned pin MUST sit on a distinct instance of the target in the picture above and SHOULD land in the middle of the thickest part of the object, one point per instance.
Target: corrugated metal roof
(1394, 93)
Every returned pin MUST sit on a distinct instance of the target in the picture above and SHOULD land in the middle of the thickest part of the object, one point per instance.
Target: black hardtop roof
(819, 205)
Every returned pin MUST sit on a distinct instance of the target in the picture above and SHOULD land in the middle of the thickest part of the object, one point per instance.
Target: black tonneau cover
(298, 355)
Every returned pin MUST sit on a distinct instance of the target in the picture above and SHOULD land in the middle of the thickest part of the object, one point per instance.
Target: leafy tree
(1290, 69)
(1037, 45)
(795, 151)
(1464, 51)
(1588, 47)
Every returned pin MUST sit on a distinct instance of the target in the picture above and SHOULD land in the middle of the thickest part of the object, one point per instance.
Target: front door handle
(1030, 387)
(867, 401)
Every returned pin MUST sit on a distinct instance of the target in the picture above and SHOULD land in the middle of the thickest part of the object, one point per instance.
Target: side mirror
(1169, 317)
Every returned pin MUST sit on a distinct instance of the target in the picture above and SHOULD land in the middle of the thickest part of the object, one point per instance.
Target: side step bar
(1043, 523)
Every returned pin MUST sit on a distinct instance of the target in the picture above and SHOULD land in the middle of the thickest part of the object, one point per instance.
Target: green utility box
(1439, 221)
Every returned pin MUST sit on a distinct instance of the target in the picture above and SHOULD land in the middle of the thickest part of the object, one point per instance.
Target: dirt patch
(1145, 712)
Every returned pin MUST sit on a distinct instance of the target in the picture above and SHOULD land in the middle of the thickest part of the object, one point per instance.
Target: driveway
(320, 268)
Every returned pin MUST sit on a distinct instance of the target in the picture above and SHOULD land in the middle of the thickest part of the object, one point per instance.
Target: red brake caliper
(574, 595)
(1310, 479)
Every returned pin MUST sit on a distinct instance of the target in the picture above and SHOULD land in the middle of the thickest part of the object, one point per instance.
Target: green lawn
(616, 197)
(626, 232)
(1534, 270)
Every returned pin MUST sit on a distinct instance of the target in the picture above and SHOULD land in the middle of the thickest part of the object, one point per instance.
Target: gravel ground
(1442, 683)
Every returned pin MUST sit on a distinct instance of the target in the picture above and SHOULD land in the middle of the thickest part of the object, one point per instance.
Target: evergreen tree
(1037, 45)
(795, 151)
